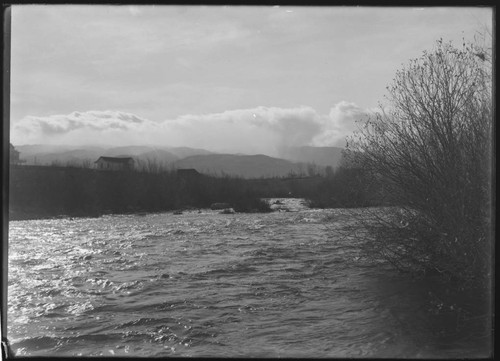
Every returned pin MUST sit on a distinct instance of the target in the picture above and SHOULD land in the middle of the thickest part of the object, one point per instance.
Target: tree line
(38, 192)
(50, 191)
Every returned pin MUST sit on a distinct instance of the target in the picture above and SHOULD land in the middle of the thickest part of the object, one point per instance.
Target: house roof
(115, 159)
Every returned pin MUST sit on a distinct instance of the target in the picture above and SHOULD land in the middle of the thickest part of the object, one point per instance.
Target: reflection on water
(284, 284)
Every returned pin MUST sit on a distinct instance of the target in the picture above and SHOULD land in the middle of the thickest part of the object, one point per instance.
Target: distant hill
(66, 155)
(31, 149)
(129, 151)
(159, 154)
(63, 155)
(183, 152)
(247, 166)
(157, 159)
(322, 156)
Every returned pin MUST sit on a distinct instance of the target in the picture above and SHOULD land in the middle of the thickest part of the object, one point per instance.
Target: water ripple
(284, 284)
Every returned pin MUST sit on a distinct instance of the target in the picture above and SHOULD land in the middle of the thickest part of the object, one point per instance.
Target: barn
(115, 163)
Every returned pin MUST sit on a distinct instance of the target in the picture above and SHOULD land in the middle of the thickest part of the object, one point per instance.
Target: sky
(239, 79)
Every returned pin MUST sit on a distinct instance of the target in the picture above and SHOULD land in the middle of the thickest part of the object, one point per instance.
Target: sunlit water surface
(284, 284)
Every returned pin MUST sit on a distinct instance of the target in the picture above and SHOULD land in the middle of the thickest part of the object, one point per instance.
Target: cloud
(259, 130)
(265, 130)
(80, 128)
(95, 120)
(340, 123)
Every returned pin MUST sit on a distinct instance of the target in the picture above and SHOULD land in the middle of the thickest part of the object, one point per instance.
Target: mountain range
(246, 166)
(322, 156)
(295, 160)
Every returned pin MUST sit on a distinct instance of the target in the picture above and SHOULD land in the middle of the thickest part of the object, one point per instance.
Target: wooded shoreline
(39, 192)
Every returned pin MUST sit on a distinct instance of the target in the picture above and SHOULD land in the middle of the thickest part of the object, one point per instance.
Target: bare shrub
(430, 150)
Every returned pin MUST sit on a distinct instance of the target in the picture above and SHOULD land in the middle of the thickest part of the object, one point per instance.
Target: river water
(284, 284)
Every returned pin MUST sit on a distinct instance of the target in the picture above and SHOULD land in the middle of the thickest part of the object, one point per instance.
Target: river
(282, 284)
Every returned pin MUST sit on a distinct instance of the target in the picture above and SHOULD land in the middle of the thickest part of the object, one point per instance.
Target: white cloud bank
(265, 130)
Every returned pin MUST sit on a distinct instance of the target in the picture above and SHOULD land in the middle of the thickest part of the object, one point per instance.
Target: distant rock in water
(288, 204)
(228, 211)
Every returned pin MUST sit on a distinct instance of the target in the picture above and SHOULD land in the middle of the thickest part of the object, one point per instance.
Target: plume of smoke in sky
(341, 123)
(261, 130)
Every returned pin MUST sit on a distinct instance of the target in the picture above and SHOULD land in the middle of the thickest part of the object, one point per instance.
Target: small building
(115, 163)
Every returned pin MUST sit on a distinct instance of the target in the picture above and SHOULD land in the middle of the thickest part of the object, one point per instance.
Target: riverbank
(271, 205)
(25, 216)
(41, 192)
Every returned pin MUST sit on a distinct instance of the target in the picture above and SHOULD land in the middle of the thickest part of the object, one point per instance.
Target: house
(115, 163)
